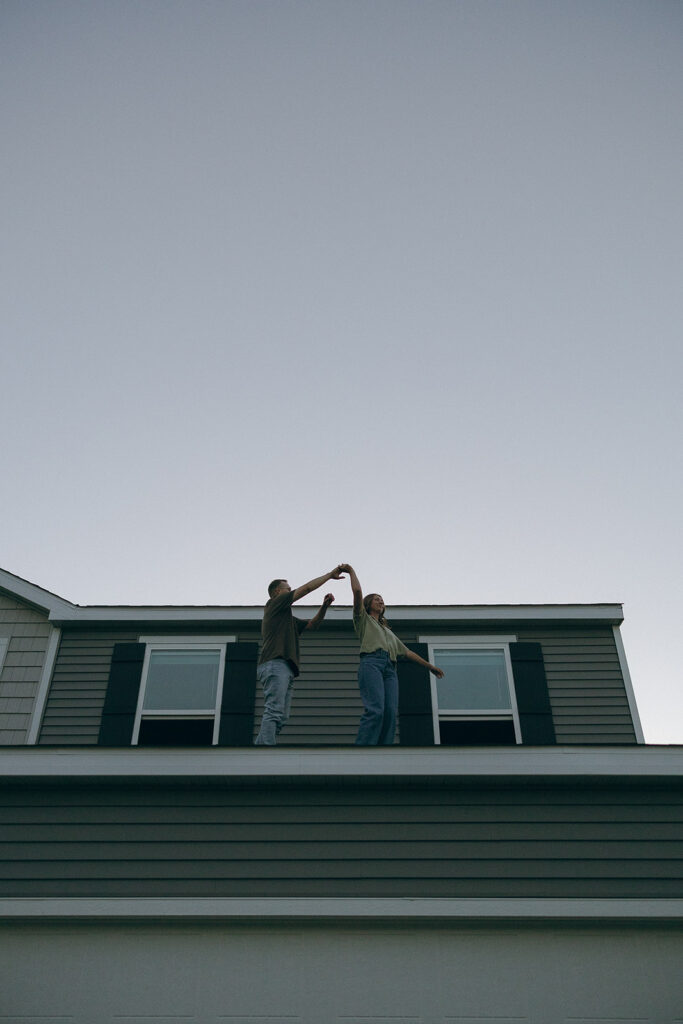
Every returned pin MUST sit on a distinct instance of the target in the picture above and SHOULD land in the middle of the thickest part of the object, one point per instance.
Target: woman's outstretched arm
(432, 668)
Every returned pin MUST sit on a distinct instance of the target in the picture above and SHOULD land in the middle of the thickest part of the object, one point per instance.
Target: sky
(392, 282)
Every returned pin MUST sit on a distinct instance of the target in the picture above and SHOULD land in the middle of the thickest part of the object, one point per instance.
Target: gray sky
(398, 283)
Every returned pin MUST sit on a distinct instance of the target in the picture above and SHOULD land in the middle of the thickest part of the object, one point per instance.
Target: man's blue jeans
(277, 679)
(378, 684)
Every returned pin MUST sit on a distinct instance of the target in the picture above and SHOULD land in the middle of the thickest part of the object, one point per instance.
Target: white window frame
(182, 643)
(464, 643)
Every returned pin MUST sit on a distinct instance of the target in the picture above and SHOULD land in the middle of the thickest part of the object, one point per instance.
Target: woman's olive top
(374, 637)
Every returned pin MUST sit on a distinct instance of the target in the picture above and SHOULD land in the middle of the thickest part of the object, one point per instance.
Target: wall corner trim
(628, 685)
(43, 687)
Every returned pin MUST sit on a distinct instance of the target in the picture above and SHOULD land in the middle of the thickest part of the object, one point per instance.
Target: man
(279, 660)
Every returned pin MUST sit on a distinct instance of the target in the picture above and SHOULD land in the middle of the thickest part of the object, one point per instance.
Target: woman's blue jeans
(378, 684)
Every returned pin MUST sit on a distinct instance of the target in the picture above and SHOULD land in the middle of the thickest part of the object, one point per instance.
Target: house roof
(62, 612)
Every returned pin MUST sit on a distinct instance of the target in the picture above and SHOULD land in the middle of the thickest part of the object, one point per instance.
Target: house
(516, 856)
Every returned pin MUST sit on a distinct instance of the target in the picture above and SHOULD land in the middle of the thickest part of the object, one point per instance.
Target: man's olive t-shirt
(280, 631)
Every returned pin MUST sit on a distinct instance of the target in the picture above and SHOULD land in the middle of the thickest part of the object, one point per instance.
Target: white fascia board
(43, 686)
(25, 591)
(335, 908)
(607, 614)
(228, 765)
(628, 685)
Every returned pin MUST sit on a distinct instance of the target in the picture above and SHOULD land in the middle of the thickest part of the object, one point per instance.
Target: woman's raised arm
(355, 587)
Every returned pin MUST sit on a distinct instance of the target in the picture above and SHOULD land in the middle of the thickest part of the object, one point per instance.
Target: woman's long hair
(367, 601)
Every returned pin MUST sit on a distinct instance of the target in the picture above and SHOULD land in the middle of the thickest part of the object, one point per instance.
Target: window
(180, 691)
(475, 702)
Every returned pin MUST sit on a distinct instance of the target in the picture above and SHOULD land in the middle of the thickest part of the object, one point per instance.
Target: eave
(225, 616)
(298, 765)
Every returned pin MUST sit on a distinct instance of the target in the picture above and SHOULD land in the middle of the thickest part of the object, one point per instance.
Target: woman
(377, 678)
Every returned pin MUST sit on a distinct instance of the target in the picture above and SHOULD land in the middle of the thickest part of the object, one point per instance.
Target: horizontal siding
(585, 684)
(326, 706)
(343, 840)
(587, 693)
(28, 632)
(79, 684)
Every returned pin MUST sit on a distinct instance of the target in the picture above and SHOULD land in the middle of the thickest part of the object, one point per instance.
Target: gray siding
(571, 839)
(326, 706)
(585, 684)
(79, 684)
(586, 687)
(28, 632)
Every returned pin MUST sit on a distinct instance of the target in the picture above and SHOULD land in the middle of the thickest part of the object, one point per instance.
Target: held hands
(336, 574)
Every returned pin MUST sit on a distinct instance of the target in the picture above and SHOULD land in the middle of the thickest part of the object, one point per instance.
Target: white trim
(181, 713)
(628, 685)
(607, 614)
(236, 764)
(171, 640)
(467, 638)
(274, 908)
(43, 686)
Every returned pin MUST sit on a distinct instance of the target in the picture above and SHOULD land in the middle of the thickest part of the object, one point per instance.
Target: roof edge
(230, 765)
(35, 595)
(606, 614)
(63, 612)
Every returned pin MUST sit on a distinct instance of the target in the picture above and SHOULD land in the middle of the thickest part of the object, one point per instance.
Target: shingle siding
(28, 633)
(343, 839)
(585, 683)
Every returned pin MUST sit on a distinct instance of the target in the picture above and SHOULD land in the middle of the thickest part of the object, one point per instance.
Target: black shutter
(121, 700)
(415, 720)
(531, 687)
(239, 692)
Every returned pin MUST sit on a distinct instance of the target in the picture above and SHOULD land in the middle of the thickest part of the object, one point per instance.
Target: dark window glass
(176, 732)
(477, 733)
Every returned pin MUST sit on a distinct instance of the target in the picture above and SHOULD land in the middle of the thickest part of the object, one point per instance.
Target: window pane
(182, 680)
(473, 680)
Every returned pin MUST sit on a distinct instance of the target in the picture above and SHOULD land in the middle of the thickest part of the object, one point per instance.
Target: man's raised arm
(306, 588)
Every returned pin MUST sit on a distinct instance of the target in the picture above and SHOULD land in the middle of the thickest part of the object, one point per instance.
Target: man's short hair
(272, 587)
